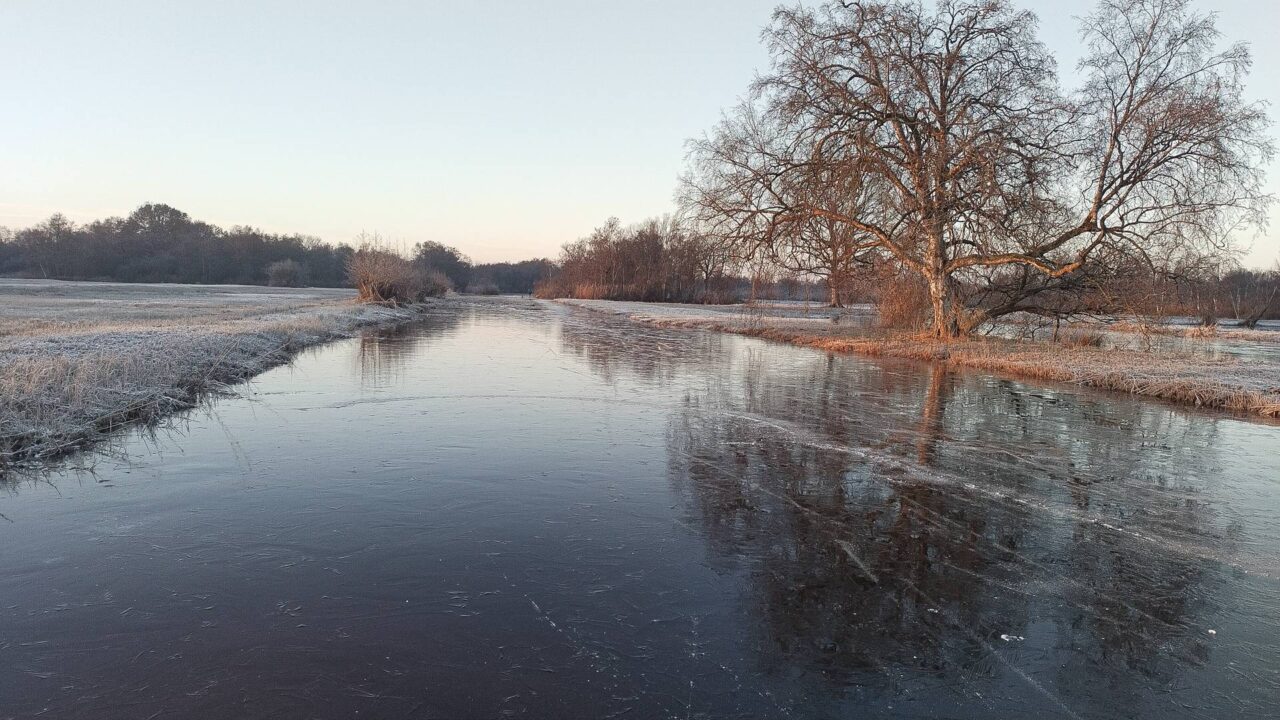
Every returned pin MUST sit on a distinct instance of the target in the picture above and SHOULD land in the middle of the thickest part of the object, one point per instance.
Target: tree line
(666, 259)
(931, 153)
(656, 260)
(159, 243)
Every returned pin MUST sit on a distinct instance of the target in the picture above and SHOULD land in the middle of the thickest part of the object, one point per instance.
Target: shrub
(904, 303)
(432, 284)
(286, 273)
(382, 276)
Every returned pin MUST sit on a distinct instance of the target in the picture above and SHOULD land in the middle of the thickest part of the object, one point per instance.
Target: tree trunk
(945, 324)
(941, 294)
(930, 430)
(833, 293)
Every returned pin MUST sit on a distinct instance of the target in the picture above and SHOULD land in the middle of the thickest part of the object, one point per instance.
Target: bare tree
(950, 111)
(703, 257)
(46, 244)
(994, 179)
(756, 186)
(660, 259)
(820, 245)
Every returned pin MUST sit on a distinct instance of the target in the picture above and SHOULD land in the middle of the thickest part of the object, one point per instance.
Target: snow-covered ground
(77, 359)
(41, 306)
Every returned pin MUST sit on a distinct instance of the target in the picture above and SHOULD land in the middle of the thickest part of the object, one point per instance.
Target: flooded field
(530, 510)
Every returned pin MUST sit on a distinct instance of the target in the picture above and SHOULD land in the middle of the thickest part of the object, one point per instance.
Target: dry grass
(1082, 338)
(1203, 332)
(594, 291)
(557, 288)
(1223, 383)
(93, 357)
(904, 304)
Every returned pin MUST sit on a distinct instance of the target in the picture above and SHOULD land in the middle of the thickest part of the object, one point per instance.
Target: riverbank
(1246, 386)
(78, 360)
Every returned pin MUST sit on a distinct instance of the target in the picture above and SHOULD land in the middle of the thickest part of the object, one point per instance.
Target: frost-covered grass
(80, 359)
(1265, 332)
(1248, 385)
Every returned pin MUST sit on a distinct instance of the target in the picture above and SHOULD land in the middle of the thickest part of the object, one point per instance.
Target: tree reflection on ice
(909, 556)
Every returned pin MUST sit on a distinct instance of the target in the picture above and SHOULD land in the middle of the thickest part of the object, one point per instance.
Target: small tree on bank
(380, 275)
(759, 214)
(445, 259)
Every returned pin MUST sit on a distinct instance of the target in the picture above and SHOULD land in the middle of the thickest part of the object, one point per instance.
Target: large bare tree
(993, 186)
(754, 187)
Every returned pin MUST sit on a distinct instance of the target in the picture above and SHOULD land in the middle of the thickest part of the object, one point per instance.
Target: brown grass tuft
(1082, 338)
(904, 304)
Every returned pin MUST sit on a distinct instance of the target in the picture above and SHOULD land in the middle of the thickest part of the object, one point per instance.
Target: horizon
(410, 122)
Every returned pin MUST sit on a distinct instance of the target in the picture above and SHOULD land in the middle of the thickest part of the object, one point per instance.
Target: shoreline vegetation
(81, 360)
(1222, 383)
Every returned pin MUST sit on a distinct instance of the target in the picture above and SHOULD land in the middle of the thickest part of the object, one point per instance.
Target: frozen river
(529, 510)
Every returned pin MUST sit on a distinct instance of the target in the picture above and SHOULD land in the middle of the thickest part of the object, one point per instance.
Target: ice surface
(531, 510)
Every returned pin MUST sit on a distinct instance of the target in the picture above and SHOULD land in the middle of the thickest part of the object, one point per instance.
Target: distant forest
(159, 243)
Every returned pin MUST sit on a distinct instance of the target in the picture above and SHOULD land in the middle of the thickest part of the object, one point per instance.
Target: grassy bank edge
(1100, 368)
(245, 349)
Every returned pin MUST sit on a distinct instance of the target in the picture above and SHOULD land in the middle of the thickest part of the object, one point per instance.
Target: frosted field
(41, 306)
(78, 359)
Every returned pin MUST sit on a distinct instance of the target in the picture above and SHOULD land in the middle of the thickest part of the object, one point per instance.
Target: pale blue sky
(504, 128)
